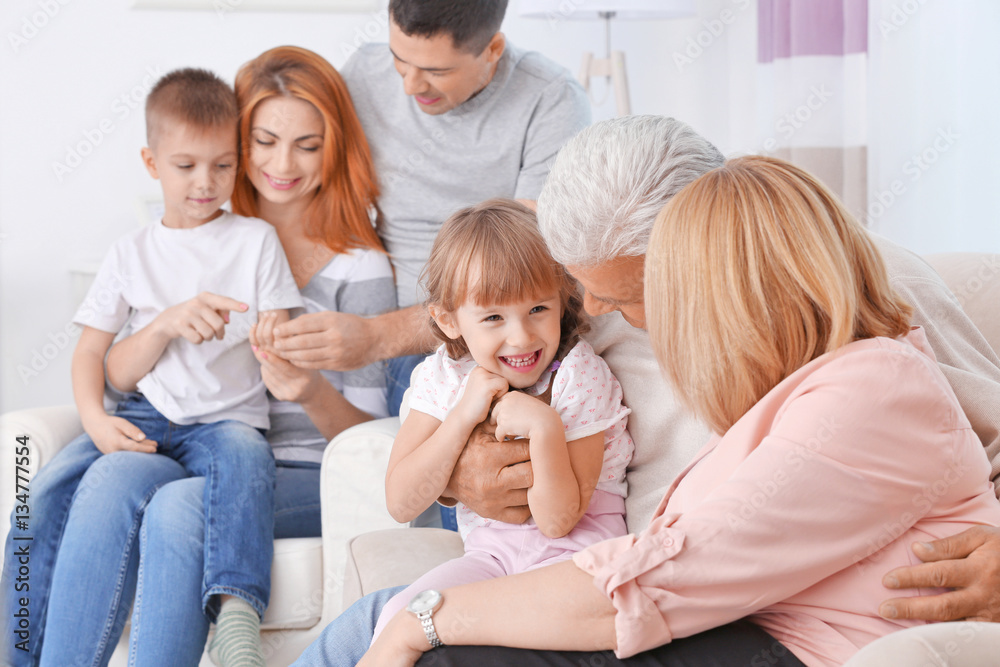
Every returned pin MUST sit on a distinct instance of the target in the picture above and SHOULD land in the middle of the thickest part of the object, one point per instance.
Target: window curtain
(812, 62)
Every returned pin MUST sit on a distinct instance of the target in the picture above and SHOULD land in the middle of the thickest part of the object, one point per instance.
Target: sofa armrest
(374, 560)
(48, 430)
(352, 488)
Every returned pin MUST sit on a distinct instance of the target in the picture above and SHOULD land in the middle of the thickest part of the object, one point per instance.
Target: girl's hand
(285, 381)
(114, 434)
(481, 390)
(392, 648)
(199, 319)
(517, 414)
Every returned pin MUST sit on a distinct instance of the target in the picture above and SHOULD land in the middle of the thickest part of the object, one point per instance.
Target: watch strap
(427, 622)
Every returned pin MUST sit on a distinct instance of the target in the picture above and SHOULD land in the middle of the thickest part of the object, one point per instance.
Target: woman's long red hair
(339, 216)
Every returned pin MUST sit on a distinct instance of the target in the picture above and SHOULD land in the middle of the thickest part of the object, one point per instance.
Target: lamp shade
(593, 9)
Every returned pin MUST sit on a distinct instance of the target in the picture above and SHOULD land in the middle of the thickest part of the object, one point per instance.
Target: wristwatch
(423, 605)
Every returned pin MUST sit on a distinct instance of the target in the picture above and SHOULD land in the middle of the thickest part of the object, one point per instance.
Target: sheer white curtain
(811, 85)
(934, 123)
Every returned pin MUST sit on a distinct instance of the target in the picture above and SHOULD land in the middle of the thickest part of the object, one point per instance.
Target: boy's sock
(237, 636)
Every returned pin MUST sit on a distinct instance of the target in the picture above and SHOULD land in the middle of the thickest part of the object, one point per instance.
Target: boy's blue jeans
(67, 498)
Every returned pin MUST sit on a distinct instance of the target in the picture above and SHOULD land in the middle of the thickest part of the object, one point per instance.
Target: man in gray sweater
(454, 115)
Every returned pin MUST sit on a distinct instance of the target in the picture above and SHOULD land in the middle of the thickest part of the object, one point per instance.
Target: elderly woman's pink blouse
(795, 514)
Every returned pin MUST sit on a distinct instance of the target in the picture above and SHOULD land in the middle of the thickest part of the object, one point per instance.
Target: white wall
(933, 96)
(81, 76)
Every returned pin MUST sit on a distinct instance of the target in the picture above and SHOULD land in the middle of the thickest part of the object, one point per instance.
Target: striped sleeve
(359, 282)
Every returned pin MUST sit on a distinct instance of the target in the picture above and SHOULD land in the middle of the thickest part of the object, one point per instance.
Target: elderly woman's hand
(968, 562)
(401, 644)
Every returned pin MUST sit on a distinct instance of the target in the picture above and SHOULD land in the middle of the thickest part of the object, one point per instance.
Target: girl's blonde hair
(497, 245)
(752, 271)
(339, 215)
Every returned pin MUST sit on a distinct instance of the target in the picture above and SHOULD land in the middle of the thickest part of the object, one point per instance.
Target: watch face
(424, 601)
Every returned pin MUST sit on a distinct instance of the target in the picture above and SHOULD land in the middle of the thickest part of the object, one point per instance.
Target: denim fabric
(237, 461)
(346, 639)
(397, 379)
(50, 494)
(95, 573)
(165, 628)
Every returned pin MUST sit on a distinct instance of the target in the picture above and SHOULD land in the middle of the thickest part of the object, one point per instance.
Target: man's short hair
(193, 96)
(608, 183)
(471, 23)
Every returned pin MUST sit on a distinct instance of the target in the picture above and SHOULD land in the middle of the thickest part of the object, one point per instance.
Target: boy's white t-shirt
(157, 267)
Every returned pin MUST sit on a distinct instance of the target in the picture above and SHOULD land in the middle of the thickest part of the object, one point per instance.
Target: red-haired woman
(306, 169)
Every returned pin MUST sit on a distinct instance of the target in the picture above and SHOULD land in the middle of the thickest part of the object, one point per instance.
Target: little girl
(510, 318)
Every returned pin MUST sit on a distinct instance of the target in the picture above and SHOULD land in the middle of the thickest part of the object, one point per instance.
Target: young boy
(189, 287)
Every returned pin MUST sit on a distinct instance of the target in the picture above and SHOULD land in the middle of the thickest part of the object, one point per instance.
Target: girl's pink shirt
(795, 514)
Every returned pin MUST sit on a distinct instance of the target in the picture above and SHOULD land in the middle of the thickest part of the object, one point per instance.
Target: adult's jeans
(233, 455)
(166, 630)
(397, 379)
(149, 544)
(50, 494)
(346, 639)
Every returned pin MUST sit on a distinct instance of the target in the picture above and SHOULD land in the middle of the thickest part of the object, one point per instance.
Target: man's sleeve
(562, 111)
(964, 356)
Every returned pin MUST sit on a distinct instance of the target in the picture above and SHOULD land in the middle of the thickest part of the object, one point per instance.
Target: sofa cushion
(395, 558)
(296, 584)
(975, 280)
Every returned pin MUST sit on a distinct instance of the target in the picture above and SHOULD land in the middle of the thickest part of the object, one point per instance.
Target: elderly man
(596, 211)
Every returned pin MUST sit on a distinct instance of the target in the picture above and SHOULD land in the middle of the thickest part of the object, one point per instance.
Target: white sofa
(308, 574)
(313, 580)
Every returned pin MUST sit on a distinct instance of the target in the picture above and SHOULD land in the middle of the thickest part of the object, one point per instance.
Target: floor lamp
(612, 65)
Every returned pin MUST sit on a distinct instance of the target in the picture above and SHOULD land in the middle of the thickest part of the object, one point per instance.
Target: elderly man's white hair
(609, 182)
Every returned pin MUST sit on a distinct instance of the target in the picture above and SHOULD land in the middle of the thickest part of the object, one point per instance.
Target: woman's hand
(285, 381)
(114, 434)
(327, 340)
(393, 647)
(480, 391)
(517, 413)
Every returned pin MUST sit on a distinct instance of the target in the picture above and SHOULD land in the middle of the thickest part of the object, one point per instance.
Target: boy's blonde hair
(192, 96)
(498, 243)
(754, 270)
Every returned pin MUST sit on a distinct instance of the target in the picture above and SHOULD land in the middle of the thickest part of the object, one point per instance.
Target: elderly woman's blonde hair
(754, 270)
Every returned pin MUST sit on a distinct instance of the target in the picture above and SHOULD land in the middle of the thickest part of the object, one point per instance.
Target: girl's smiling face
(516, 341)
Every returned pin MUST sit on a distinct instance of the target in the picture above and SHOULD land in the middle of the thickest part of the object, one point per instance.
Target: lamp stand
(611, 67)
